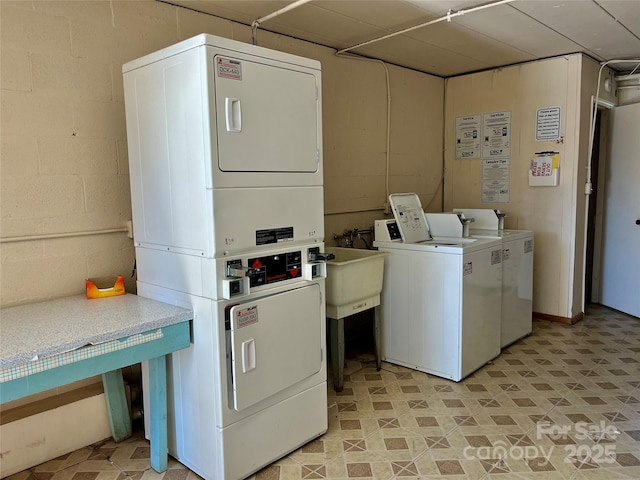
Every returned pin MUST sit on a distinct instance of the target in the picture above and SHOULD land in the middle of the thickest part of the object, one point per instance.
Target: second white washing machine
(517, 270)
(441, 300)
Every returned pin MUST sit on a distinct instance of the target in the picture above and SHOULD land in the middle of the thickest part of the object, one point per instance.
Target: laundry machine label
(496, 256)
(528, 246)
(468, 268)
(505, 254)
(246, 316)
(274, 235)
(229, 68)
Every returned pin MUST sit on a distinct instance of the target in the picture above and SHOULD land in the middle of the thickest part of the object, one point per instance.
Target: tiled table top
(43, 329)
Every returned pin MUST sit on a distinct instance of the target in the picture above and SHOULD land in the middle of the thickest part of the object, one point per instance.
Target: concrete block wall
(63, 146)
(64, 150)
(64, 162)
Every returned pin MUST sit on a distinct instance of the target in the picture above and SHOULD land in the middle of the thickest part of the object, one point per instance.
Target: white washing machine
(517, 270)
(441, 300)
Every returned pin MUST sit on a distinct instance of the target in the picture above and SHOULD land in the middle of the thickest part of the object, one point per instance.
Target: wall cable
(388, 134)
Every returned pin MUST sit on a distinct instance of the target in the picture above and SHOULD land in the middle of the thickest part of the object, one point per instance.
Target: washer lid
(409, 216)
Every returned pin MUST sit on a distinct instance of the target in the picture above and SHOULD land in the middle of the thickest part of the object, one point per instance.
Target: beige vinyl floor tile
(562, 403)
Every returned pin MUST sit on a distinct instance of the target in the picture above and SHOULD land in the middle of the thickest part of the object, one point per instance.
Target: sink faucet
(348, 237)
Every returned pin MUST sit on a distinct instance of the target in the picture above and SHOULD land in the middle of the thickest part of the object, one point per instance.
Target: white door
(276, 342)
(267, 116)
(621, 222)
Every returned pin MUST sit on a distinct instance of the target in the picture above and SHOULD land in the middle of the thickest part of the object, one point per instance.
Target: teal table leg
(117, 405)
(336, 334)
(158, 412)
(376, 338)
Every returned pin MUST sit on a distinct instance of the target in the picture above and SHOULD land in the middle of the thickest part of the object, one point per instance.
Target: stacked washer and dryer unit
(441, 300)
(225, 155)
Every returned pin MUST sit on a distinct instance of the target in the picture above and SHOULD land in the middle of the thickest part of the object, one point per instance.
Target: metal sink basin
(354, 280)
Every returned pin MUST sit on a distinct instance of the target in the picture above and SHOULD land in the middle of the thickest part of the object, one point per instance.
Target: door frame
(593, 255)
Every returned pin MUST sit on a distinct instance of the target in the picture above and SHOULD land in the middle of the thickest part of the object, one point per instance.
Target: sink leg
(336, 334)
(376, 338)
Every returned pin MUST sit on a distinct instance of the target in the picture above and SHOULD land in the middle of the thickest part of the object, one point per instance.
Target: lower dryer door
(275, 343)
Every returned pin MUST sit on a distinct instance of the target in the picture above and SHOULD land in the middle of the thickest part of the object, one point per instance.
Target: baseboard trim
(49, 403)
(556, 318)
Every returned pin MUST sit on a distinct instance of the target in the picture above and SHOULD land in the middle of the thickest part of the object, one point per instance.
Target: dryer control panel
(274, 268)
(241, 275)
(267, 268)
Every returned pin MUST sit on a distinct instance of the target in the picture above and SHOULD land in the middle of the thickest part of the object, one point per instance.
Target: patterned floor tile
(562, 403)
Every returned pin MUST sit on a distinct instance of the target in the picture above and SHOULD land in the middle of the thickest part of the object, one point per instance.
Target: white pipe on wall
(256, 23)
(49, 236)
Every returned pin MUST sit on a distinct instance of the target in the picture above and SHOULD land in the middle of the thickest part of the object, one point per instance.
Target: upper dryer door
(267, 116)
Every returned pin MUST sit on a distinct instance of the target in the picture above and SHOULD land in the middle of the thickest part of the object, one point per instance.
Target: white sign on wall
(495, 180)
(496, 131)
(548, 123)
(468, 136)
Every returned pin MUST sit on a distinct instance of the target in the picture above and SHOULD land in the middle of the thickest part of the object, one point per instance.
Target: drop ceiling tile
(624, 11)
(391, 15)
(239, 11)
(421, 56)
(457, 38)
(584, 22)
(509, 26)
(322, 26)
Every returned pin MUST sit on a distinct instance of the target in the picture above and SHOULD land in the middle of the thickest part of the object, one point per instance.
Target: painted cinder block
(34, 32)
(38, 115)
(15, 73)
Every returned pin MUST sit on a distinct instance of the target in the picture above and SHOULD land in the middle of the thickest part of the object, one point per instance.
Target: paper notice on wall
(548, 123)
(495, 180)
(496, 131)
(541, 166)
(468, 136)
(544, 169)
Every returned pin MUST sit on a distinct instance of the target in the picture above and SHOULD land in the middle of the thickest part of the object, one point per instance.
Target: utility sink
(354, 280)
(354, 283)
